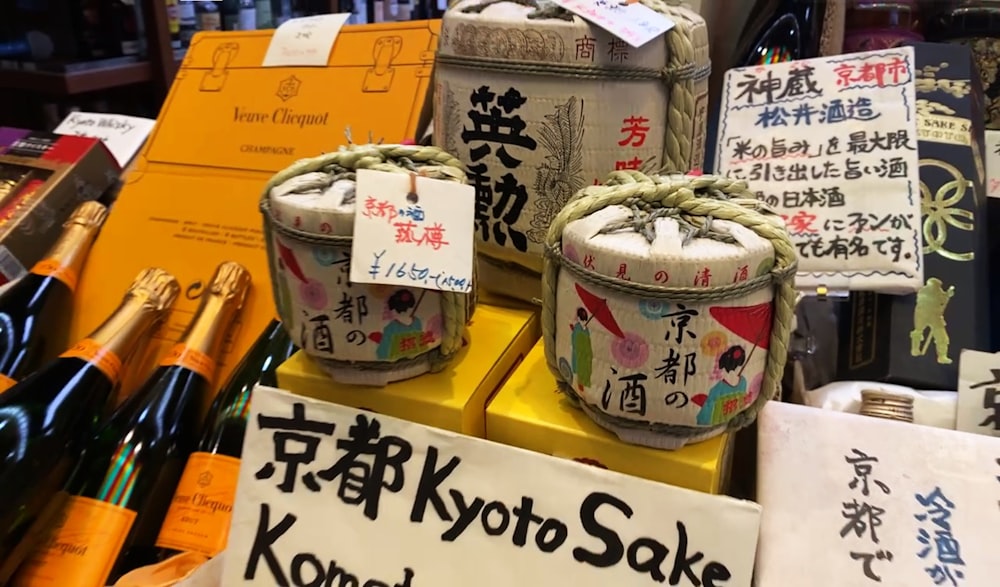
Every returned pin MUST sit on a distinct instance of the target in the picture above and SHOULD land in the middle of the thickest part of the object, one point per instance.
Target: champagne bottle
(121, 490)
(47, 418)
(789, 31)
(34, 308)
(199, 514)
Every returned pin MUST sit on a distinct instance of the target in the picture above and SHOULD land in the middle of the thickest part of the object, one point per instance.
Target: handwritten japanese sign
(831, 144)
(417, 235)
(632, 22)
(993, 163)
(306, 41)
(122, 135)
(886, 503)
(979, 393)
(329, 495)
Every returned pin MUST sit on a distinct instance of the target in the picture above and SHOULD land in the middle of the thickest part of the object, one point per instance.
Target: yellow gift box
(455, 399)
(529, 412)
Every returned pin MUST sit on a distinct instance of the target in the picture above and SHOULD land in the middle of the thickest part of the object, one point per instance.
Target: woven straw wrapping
(539, 103)
(667, 305)
(359, 333)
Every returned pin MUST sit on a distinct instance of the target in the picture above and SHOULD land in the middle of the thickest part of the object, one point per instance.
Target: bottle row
(186, 18)
(89, 491)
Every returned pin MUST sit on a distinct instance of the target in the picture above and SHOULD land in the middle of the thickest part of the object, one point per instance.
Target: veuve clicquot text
(47, 419)
(199, 514)
(122, 488)
(34, 309)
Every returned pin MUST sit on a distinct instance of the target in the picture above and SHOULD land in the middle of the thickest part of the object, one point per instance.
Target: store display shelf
(79, 82)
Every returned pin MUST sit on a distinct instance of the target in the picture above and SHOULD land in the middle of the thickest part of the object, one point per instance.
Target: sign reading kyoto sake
(332, 496)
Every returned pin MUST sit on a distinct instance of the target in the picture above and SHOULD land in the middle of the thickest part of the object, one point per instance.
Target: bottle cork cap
(88, 214)
(160, 286)
(232, 281)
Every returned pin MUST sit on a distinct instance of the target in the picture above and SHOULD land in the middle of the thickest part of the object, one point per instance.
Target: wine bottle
(33, 309)
(792, 30)
(47, 419)
(199, 514)
(122, 488)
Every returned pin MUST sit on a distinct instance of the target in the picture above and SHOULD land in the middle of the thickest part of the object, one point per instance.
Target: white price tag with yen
(302, 42)
(413, 230)
(630, 21)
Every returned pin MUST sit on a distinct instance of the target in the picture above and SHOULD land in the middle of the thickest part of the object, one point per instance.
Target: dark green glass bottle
(121, 490)
(47, 418)
(198, 520)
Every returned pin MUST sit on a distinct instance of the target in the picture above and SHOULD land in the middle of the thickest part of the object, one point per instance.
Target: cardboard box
(45, 177)
(226, 127)
(915, 340)
(530, 412)
(454, 399)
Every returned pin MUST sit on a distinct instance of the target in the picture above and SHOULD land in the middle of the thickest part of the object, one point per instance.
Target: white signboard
(329, 495)
(993, 163)
(854, 500)
(831, 144)
(979, 393)
(413, 231)
(122, 135)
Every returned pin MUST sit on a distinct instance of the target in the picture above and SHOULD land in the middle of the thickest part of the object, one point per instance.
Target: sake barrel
(539, 103)
(667, 305)
(358, 333)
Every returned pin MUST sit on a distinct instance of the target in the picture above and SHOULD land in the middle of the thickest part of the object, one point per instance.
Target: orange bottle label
(103, 358)
(190, 358)
(53, 268)
(199, 515)
(82, 547)
(6, 383)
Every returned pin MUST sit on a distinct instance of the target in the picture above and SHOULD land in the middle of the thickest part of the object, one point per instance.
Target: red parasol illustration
(598, 308)
(288, 258)
(751, 323)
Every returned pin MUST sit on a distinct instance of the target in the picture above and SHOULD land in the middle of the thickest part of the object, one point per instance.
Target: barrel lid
(316, 202)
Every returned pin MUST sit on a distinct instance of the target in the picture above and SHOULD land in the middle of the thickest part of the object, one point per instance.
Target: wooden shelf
(68, 84)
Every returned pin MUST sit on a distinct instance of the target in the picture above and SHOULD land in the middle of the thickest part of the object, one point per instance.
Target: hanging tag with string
(413, 230)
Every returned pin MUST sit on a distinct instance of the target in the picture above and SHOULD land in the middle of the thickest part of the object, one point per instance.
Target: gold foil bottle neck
(885, 405)
(231, 281)
(158, 285)
(88, 214)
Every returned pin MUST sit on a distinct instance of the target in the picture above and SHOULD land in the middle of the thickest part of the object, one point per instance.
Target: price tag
(413, 230)
(304, 41)
(630, 21)
(122, 135)
(993, 163)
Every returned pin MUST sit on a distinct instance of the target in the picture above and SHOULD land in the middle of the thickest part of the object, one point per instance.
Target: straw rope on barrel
(551, 69)
(727, 226)
(308, 212)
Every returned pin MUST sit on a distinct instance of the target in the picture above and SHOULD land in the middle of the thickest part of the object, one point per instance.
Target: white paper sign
(631, 22)
(831, 144)
(122, 135)
(423, 240)
(993, 163)
(979, 393)
(306, 41)
(329, 495)
(854, 500)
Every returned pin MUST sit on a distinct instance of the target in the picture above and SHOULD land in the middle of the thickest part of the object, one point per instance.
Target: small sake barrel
(667, 305)
(359, 333)
(539, 103)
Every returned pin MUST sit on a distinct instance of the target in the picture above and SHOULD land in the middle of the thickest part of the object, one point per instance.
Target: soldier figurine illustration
(932, 299)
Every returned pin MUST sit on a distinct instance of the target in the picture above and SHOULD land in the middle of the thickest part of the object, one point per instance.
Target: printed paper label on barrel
(331, 317)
